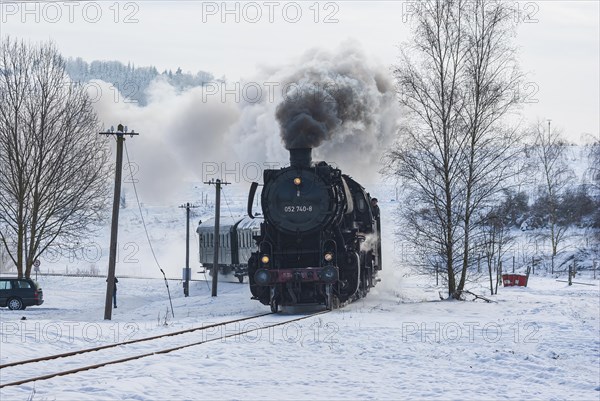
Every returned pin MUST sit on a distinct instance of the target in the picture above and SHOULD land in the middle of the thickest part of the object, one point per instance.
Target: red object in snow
(510, 280)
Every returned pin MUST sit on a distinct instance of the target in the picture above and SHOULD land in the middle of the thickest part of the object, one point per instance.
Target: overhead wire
(227, 203)
(146, 230)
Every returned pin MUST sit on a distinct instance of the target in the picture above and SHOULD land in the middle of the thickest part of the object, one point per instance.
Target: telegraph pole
(110, 284)
(215, 268)
(186, 272)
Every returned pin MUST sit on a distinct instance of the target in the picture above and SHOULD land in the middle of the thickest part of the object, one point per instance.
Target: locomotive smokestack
(300, 157)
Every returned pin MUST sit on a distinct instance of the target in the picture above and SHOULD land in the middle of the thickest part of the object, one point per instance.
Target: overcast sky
(559, 43)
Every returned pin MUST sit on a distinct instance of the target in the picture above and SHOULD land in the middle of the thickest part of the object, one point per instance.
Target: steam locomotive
(320, 240)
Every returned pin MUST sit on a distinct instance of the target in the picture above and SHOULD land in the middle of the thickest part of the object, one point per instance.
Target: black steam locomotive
(320, 241)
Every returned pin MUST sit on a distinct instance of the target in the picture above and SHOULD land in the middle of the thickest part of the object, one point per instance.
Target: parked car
(19, 293)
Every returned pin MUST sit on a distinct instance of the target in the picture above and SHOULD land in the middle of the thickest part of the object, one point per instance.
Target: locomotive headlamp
(328, 256)
(265, 259)
(297, 181)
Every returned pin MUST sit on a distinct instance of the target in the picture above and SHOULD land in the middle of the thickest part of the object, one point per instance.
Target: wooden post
(215, 268)
(186, 281)
(112, 258)
(570, 275)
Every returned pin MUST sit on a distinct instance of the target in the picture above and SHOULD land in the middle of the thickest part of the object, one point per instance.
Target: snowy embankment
(539, 342)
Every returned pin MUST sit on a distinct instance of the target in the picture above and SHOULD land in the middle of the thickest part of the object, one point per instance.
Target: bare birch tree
(550, 153)
(54, 177)
(491, 79)
(457, 81)
(428, 154)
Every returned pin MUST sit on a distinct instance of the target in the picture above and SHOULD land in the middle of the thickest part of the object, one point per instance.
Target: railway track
(120, 345)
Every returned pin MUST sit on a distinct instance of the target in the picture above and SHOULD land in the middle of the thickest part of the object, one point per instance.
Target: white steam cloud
(181, 132)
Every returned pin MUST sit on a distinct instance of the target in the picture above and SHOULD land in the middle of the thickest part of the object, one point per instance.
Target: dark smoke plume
(330, 100)
(307, 117)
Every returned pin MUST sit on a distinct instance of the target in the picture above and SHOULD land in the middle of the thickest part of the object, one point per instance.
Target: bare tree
(495, 240)
(550, 152)
(594, 174)
(491, 76)
(457, 81)
(594, 166)
(54, 177)
(428, 154)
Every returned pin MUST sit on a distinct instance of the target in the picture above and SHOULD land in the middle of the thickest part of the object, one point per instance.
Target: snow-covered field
(401, 342)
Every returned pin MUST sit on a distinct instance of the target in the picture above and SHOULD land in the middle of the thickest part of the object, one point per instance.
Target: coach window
(4, 285)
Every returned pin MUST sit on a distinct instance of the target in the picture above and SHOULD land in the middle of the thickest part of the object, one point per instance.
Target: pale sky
(559, 45)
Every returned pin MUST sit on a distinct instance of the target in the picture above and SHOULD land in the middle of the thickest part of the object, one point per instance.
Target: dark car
(18, 293)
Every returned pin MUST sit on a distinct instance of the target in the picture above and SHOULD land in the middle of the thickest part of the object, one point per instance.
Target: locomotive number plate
(297, 209)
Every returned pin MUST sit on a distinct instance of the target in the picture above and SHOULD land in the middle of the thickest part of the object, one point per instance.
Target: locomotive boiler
(319, 241)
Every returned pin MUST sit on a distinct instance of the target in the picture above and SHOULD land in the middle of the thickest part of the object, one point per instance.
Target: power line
(227, 203)
(146, 231)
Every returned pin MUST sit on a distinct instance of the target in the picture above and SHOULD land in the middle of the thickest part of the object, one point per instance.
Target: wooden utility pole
(110, 282)
(187, 273)
(215, 268)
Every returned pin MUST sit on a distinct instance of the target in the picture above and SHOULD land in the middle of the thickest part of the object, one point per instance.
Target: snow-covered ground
(539, 342)
(401, 342)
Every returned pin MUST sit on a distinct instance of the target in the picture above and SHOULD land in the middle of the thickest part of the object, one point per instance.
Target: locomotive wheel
(328, 297)
(274, 306)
